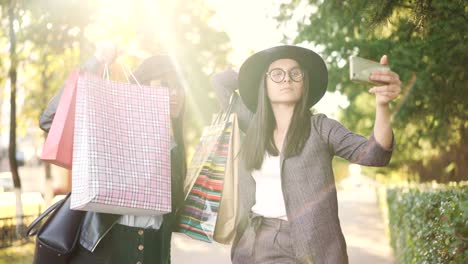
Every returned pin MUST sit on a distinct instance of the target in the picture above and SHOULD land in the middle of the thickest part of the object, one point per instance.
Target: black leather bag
(59, 235)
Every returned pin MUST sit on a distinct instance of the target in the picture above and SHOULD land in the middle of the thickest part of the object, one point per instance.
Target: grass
(19, 254)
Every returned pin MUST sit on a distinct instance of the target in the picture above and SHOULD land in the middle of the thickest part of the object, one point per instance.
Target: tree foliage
(56, 36)
(426, 42)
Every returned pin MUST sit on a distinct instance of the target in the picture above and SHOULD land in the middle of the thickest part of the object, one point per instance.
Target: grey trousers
(265, 241)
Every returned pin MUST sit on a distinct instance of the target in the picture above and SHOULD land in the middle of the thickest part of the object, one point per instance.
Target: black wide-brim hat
(153, 67)
(253, 69)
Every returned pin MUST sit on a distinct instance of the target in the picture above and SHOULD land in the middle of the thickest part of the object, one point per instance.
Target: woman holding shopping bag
(109, 238)
(288, 204)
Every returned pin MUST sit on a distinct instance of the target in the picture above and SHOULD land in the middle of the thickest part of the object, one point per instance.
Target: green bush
(429, 225)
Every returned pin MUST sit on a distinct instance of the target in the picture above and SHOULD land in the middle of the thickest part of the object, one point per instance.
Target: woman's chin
(283, 101)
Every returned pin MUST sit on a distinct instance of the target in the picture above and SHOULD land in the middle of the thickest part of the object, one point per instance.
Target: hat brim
(153, 68)
(253, 69)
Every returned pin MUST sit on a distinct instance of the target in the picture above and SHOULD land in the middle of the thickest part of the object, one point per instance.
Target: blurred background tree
(35, 32)
(52, 37)
(426, 42)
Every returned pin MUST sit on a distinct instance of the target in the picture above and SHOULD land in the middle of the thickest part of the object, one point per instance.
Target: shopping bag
(209, 138)
(121, 151)
(199, 216)
(58, 147)
(225, 228)
(206, 143)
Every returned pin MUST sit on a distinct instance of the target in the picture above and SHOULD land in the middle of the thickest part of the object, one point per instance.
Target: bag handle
(105, 72)
(31, 231)
(125, 70)
(228, 111)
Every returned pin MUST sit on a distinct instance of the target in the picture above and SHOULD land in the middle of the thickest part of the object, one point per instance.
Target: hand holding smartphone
(360, 69)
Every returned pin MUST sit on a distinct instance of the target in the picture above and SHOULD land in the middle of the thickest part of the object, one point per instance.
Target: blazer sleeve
(224, 84)
(350, 146)
(47, 116)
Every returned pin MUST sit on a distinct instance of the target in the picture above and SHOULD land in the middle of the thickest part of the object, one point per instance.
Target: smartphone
(360, 69)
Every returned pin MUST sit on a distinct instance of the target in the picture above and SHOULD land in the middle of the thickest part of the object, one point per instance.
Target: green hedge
(429, 225)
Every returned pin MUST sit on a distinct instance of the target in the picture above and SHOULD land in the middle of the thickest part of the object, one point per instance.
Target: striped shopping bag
(198, 217)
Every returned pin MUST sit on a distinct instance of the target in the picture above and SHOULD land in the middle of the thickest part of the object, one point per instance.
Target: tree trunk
(461, 156)
(1, 105)
(406, 92)
(48, 188)
(12, 144)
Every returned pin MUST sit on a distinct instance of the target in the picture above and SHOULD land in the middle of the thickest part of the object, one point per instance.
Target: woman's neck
(283, 115)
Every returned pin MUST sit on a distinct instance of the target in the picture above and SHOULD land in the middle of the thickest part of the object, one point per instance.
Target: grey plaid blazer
(307, 181)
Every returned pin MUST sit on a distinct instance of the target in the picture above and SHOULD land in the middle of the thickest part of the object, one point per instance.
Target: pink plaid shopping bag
(121, 152)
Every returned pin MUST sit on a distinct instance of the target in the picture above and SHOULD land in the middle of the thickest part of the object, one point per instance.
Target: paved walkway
(361, 221)
(363, 227)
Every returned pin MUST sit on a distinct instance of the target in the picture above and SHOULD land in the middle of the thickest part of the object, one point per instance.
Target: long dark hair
(260, 139)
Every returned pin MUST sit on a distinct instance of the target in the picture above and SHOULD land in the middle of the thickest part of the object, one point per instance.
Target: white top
(269, 201)
(153, 222)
